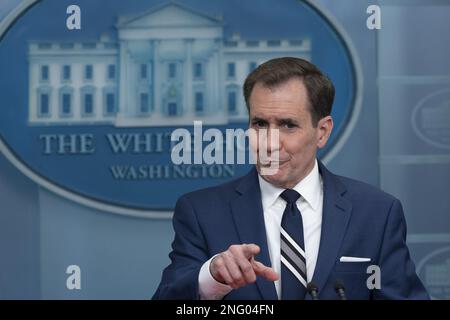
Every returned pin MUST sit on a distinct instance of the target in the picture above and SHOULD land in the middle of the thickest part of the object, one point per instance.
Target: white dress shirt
(310, 205)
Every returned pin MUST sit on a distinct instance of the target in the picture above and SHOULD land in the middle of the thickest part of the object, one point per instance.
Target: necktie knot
(290, 196)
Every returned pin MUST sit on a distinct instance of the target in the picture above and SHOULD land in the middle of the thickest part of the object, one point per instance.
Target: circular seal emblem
(431, 119)
(92, 92)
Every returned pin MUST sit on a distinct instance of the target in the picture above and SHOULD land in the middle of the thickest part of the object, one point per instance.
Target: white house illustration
(169, 66)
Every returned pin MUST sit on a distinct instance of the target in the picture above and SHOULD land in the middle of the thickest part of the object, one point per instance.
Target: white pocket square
(353, 259)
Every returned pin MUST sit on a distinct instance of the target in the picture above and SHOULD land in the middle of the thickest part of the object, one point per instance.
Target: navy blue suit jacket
(358, 221)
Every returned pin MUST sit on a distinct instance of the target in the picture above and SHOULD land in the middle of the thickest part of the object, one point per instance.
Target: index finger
(264, 271)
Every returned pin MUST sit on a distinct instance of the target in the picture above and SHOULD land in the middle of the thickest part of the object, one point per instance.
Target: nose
(272, 140)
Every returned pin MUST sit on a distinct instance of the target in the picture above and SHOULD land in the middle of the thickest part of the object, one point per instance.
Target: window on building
(66, 72)
(199, 102)
(45, 46)
(198, 70)
(110, 45)
(296, 42)
(66, 104)
(111, 72)
(252, 43)
(228, 43)
(89, 45)
(44, 104)
(231, 70)
(44, 73)
(67, 45)
(252, 66)
(110, 103)
(88, 72)
(172, 108)
(144, 105)
(144, 71)
(273, 43)
(172, 70)
(232, 102)
(88, 104)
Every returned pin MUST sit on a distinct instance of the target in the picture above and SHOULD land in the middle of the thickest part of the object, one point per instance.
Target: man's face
(285, 108)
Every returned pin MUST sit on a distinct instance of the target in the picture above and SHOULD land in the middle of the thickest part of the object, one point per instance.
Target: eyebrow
(287, 121)
(256, 119)
(281, 121)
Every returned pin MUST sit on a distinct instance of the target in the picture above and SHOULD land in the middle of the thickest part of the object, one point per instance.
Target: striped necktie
(293, 259)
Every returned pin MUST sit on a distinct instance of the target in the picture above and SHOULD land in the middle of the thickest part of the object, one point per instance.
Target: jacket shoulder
(219, 193)
(363, 191)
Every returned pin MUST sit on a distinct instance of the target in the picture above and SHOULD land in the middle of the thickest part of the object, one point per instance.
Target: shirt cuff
(208, 287)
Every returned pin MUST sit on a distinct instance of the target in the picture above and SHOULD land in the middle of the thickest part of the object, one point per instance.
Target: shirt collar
(309, 188)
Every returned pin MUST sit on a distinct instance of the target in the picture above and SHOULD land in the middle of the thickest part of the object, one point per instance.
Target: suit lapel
(249, 220)
(335, 217)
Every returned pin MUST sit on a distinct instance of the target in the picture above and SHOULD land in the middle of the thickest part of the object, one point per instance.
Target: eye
(289, 125)
(259, 123)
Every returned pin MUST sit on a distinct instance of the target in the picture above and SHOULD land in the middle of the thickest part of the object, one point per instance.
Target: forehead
(287, 99)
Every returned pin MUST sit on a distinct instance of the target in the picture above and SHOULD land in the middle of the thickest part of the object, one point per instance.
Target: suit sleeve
(180, 278)
(398, 276)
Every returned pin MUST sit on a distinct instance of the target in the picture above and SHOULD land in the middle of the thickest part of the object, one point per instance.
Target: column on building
(133, 74)
(123, 82)
(157, 103)
(76, 85)
(209, 87)
(97, 98)
(188, 106)
(215, 99)
(221, 75)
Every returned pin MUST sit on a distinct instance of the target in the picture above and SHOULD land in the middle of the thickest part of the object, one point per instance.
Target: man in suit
(267, 236)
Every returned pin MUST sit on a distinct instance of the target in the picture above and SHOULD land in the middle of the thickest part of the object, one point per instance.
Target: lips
(275, 163)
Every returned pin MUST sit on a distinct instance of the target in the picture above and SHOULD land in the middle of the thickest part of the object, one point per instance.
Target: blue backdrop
(400, 143)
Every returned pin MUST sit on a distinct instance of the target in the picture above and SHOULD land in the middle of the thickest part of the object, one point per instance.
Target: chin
(277, 179)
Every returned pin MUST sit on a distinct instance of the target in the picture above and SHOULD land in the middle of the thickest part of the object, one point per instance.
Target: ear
(324, 128)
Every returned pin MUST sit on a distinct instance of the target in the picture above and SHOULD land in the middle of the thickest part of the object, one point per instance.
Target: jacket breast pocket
(351, 266)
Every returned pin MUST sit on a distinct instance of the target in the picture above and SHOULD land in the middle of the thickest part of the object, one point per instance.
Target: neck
(292, 184)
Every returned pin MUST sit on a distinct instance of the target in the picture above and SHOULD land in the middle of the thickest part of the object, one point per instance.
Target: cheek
(299, 146)
(294, 148)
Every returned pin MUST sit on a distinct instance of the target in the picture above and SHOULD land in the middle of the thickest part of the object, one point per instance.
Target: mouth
(278, 163)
